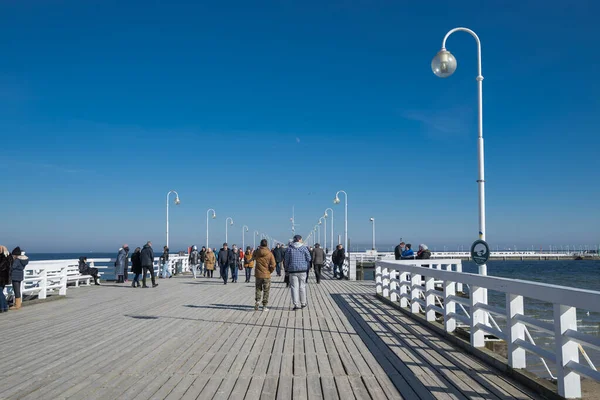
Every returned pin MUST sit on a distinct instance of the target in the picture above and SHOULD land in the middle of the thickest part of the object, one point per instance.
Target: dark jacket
(318, 256)
(164, 257)
(194, 257)
(136, 262)
(424, 255)
(83, 266)
(338, 256)
(234, 258)
(17, 268)
(5, 264)
(223, 258)
(279, 254)
(202, 255)
(398, 252)
(147, 256)
(121, 263)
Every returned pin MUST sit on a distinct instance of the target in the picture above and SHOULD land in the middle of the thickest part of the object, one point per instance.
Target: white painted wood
(403, 290)
(415, 291)
(515, 330)
(449, 306)
(385, 276)
(378, 280)
(477, 316)
(394, 285)
(569, 382)
(429, 299)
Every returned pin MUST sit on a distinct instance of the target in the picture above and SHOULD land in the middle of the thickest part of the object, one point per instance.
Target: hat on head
(16, 251)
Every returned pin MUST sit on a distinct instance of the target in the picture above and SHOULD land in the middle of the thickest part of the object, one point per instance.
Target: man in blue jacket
(297, 263)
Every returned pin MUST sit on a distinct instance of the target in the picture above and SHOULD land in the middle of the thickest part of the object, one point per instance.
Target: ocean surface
(584, 274)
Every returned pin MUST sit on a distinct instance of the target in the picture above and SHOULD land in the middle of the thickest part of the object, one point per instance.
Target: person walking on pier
(194, 260)
(337, 258)
(279, 253)
(223, 260)
(234, 263)
(248, 262)
(203, 260)
(209, 262)
(17, 274)
(121, 263)
(318, 259)
(5, 264)
(297, 261)
(84, 269)
(164, 264)
(136, 266)
(147, 256)
(265, 265)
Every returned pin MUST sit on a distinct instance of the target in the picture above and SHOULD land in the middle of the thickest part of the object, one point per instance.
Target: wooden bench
(74, 276)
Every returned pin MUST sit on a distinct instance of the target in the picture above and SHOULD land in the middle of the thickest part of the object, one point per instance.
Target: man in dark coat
(398, 251)
(223, 260)
(5, 264)
(84, 269)
(337, 258)
(318, 259)
(278, 253)
(147, 257)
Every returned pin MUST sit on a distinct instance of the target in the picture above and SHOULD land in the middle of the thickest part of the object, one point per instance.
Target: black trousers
(151, 270)
(318, 272)
(17, 289)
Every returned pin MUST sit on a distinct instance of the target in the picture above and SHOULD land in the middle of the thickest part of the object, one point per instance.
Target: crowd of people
(404, 251)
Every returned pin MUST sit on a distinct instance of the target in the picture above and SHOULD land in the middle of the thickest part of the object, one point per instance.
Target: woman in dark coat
(5, 263)
(17, 274)
(136, 266)
(84, 269)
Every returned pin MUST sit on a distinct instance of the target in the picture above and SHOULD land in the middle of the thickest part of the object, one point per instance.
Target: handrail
(427, 285)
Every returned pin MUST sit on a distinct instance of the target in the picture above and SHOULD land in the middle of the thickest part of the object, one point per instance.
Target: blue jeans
(248, 273)
(224, 270)
(278, 268)
(3, 302)
(234, 272)
(165, 270)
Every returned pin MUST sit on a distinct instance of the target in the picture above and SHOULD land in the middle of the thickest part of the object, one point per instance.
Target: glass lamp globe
(326, 215)
(214, 216)
(336, 200)
(443, 64)
(177, 201)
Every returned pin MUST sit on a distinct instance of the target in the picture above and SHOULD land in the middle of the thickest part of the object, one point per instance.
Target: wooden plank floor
(200, 339)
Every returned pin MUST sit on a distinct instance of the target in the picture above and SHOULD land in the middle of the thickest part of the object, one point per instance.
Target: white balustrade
(430, 282)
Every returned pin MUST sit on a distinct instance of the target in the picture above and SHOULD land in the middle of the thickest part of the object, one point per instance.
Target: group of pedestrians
(142, 263)
(404, 251)
(12, 266)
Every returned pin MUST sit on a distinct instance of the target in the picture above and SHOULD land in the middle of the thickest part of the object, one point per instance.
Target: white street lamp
(255, 235)
(177, 202)
(326, 216)
(444, 65)
(226, 225)
(244, 230)
(324, 231)
(373, 221)
(214, 215)
(337, 201)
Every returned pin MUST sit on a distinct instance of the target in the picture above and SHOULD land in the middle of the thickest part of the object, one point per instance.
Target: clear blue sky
(252, 107)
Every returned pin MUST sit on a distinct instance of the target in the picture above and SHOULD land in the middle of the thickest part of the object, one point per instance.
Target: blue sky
(252, 107)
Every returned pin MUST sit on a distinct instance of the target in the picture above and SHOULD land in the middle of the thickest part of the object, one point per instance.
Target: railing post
(459, 285)
(385, 276)
(449, 306)
(415, 286)
(352, 268)
(429, 298)
(515, 330)
(394, 285)
(403, 291)
(43, 284)
(63, 281)
(378, 281)
(569, 382)
(477, 316)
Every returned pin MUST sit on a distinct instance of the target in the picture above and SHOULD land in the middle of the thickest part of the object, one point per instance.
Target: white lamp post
(373, 221)
(444, 65)
(326, 216)
(337, 201)
(244, 230)
(255, 235)
(214, 215)
(177, 202)
(226, 225)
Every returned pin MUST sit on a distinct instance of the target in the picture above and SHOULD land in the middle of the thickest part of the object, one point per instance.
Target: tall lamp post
(444, 65)
(255, 235)
(373, 221)
(214, 215)
(177, 202)
(244, 230)
(337, 201)
(326, 216)
(226, 225)
(324, 230)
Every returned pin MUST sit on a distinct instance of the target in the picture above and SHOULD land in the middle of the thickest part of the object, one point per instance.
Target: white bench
(74, 276)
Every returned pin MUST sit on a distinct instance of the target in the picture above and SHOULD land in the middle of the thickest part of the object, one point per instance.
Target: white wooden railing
(433, 291)
(43, 278)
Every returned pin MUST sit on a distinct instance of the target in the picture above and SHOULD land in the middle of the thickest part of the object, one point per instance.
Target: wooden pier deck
(200, 339)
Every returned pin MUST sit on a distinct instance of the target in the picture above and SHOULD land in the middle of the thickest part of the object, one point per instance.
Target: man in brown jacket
(264, 266)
